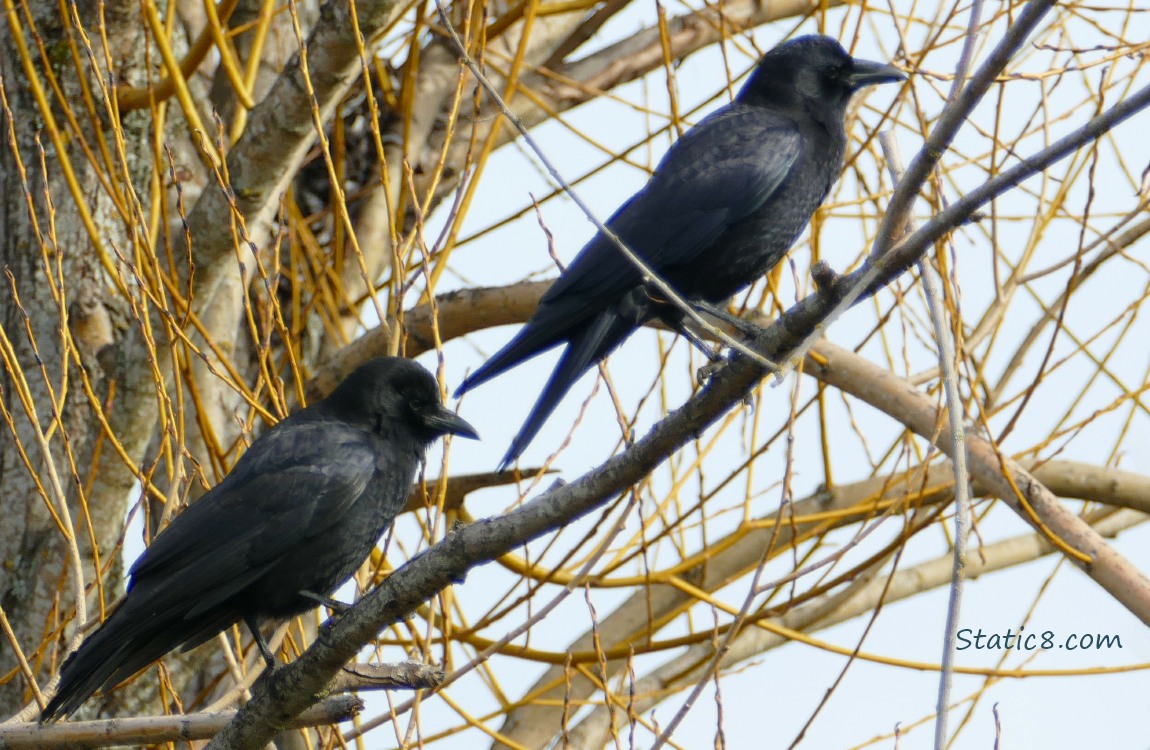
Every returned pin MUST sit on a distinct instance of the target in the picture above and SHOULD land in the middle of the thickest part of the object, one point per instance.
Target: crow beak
(447, 422)
(867, 73)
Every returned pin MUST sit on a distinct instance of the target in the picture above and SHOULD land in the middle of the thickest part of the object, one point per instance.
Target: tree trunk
(59, 314)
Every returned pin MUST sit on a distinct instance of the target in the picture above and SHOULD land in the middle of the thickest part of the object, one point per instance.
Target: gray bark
(36, 588)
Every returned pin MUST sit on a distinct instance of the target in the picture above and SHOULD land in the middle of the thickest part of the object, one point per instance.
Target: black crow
(296, 517)
(721, 209)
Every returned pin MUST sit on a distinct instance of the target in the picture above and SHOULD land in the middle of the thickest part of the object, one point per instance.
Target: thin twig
(649, 275)
(946, 361)
(723, 647)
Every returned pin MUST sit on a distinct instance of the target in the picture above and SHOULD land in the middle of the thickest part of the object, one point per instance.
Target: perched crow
(722, 208)
(296, 517)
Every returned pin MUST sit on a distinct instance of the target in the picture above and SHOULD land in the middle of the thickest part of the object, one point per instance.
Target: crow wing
(291, 486)
(720, 172)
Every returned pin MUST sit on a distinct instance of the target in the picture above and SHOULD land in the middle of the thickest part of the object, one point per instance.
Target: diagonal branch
(278, 697)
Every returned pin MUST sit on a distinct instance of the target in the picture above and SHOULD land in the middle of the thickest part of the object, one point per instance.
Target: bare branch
(642, 52)
(947, 366)
(408, 675)
(459, 487)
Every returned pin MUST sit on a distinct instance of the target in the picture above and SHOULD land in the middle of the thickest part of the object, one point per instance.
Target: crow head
(393, 394)
(813, 73)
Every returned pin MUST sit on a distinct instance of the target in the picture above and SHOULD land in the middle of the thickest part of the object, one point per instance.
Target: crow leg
(674, 319)
(335, 606)
(265, 650)
(707, 350)
(644, 303)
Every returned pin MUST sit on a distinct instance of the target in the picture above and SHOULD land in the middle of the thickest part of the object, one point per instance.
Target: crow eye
(416, 400)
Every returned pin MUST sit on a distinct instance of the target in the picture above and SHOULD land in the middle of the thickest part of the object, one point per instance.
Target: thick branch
(408, 675)
(200, 726)
(1127, 586)
(278, 697)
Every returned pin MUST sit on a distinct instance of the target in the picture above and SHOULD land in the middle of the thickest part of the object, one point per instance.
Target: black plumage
(294, 519)
(721, 209)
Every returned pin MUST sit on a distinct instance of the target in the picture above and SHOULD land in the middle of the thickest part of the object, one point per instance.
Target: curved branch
(1002, 476)
(129, 98)
(459, 313)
